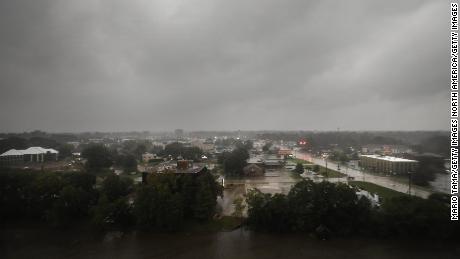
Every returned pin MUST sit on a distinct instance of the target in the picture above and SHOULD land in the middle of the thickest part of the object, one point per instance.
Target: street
(384, 181)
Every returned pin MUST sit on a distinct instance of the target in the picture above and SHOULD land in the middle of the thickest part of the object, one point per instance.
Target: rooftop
(389, 158)
(29, 151)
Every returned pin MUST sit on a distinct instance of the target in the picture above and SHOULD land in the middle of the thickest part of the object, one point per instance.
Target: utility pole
(410, 182)
(327, 175)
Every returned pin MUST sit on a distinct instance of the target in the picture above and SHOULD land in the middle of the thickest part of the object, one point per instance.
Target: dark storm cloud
(154, 65)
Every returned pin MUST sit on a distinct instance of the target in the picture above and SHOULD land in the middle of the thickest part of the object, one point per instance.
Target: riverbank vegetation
(327, 209)
(166, 202)
(170, 202)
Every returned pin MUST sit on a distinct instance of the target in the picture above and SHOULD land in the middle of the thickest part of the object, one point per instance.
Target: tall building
(388, 164)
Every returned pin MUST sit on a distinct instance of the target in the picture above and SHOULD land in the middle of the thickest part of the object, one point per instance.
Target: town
(229, 129)
(380, 166)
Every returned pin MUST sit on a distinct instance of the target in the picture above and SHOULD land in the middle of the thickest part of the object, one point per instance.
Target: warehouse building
(388, 164)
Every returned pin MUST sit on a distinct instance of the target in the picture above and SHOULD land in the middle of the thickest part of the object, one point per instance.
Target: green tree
(157, 208)
(129, 163)
(111, 214)
(235, 161)
(115, 187)
(339, 156)
(177, 149)
(307, 207)
(205, 201)
(73, 204)
(46, 191)
(426, 170)
(316, 168)
(248, 144)
(140, 149)
(267, 146)
(13, 142)
(98, 157)
(82, 180)
(112, 209)
(65, 150)
(299, 168)
(206, 196)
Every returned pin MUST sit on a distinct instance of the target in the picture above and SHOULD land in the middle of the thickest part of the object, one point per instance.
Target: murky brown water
(45, 243)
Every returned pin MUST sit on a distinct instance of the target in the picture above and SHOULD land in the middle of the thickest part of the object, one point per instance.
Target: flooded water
(274, 181)
(281, 180)
(45, 243)
(441, 183)
(385, 181)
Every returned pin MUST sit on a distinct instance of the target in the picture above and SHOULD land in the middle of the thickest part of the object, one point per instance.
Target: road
(384, 181)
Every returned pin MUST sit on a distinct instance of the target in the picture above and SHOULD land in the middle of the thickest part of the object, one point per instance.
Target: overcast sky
(92, 65)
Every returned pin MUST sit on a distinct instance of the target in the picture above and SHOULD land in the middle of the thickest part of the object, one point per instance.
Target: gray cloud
(206, 64)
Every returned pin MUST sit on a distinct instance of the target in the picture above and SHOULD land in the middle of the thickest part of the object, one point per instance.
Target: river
(40, 242)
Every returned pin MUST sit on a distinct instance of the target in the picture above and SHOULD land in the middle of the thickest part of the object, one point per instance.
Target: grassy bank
(383, 192)
(322, 170)
(329, 172)
(298, 160)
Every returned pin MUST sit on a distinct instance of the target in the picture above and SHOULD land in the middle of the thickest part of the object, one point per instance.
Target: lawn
(383, 192)
(298, 160)
(330, 172)
(322, 170)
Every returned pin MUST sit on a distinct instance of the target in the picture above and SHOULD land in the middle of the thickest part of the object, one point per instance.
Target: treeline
(423, 141)
(56, 198)
(177, 149)
(165, 203)
(176, 199)
(58, 137)
(428, 167)
(327, 209)
(24, 143)
(233, 162)
(126, 155)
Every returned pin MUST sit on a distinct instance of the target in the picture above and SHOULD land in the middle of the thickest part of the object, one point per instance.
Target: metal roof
(13, 152)
(389, 158)
(29, 151)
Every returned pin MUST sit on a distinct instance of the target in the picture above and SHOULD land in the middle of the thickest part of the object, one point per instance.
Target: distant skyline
(216, 131)
(76, 66)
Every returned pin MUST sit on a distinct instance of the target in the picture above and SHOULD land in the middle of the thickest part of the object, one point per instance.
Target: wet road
(384, 181)
(225, 204)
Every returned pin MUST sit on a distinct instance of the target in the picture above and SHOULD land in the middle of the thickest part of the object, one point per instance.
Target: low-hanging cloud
(206, 64)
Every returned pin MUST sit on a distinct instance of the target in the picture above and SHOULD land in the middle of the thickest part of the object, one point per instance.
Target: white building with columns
(30, 155)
